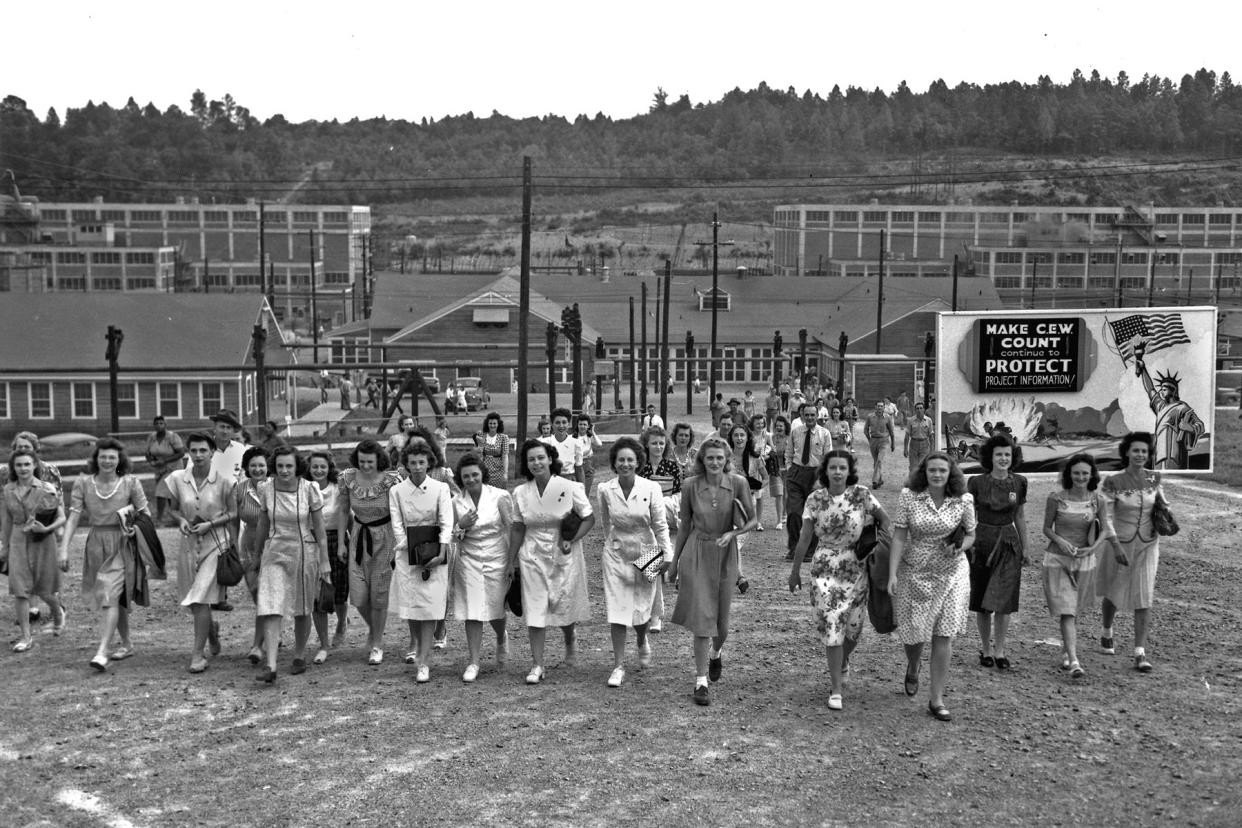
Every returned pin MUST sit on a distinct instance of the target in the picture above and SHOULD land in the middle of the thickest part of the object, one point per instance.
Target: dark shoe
(789, 557)
(35, 615)
(1108, 646)
(912, 681)
(1002, 663)
(267, 676)
(1142, 664)
(298, 667)
(940, 712)
(223, 606)
(742, 584)
(986, 660)
(715, 666)
(701, 697)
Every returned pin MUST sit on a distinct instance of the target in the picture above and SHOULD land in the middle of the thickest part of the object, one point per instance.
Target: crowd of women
(398, 532)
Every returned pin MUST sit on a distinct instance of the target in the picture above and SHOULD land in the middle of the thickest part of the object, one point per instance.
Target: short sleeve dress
(554, 585)
(340, 569)
(933, 586)
(1131, 587)
(838, 578)
(996, 562)
(248, 504)
(633, 525)
(493, 448)
(421, 593)
(33, 566)
(480, 578)
(371, 538)
(109, 577)
(289, 568)
(1069, 581)
(196, 564)
(706, 573)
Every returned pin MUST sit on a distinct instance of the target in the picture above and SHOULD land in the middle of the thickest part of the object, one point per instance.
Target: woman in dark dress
(996, 563)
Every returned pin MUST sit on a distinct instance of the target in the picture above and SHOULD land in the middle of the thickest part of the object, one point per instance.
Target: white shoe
(472, 673)
(424, 674)
(759, 528)
(535, 675)
(616, 677)
(411, 657)
(320, 657)
(376, 657)
(834, 701)
(655, 626)
(440, 643)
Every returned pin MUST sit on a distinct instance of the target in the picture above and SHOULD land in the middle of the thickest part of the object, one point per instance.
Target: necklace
(101, 495)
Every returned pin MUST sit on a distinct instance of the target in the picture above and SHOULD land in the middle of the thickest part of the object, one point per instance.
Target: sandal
(23, 645)
(121, 653)
(986, 660)
(912, 681)
(100, 663)
(1075, 670)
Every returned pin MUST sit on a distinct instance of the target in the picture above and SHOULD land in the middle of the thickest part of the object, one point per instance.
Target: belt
(364, 544)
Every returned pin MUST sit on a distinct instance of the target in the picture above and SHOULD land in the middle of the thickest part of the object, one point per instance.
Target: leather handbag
(956, 537)
(423, 544)
(867, 541)
(740, 516)
(1162, 519)
(513, 595)
(325, 601)
(570, 524)
(229, 570)
(43, 516)
(649, 563)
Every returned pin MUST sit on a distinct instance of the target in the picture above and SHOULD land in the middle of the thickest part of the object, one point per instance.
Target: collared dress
(479, 576)
(196, 564)
(33, 565)
(1133, 586)
(248, 505)
(340, 569)
(838, 578)
(429, 504)
(706, 573)
(632, 526)
(289, 567)
(1069, 582)
(370, 537)
(493, 448)
(933, 586)
(554, 584)
(568, 452)
(108, 573)
(996, 558)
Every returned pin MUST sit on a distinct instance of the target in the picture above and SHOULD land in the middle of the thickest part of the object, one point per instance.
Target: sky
(315, 60)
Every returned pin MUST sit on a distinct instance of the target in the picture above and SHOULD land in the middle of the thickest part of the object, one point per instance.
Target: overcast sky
(319, 60)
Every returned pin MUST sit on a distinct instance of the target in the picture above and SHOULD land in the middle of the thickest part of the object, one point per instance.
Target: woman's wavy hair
(333, 474)
(109, 444)
(1000, 440)
(469, 459)
(1138, 437)
(1067, 480)
(370, 447)
(627, 443)
(655, 431)
(677, 429)
(956, 485)
(554, 461)
(709, 442)
(822, 473)
(286, 450)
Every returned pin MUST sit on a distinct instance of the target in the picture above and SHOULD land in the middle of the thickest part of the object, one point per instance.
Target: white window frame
(248, 394)
(203, 409)
(73, 400)
(159, 400)
(51, 401)
(5, 401)
(136, 414)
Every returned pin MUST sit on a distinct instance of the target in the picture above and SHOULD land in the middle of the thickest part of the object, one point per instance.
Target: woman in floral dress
(836, 514)
(493, 448)
(30, 513)
(929, 578)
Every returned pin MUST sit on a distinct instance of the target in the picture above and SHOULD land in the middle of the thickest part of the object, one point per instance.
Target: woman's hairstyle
(470, 459)
(554, 462)
(822, 473)
(759, 418)
(678, 429)
(956, 485)
(1000, 440)
(562, 412)
(29, 437)
(627, 443)
(1137, 437)
(783, 420)
(437, 456)
(713, 441)
(34, 458)
(500, 424)
(251, 453)
(748, 452)
(655, 431)
(286, 450)
(369, 447)
(1067, 480)
(333, 474)
(542, 422)
(109, 444)
(424, 448)
(580, 419)
(200, 437)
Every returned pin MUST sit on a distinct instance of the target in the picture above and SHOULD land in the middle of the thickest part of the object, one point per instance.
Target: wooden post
(114, 337)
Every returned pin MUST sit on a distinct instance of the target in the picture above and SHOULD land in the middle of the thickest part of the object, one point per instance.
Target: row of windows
(192, 216)
(84, 404)
(736, 364)
(961, 217)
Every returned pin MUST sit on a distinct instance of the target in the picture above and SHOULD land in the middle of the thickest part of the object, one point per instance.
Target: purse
(867, 541)
(325, 601)
(229, 570)
(513, 595)
(1162, 519)
(423, 544)
(649, 563)
(44, 516)
(570, 524)
(956, 536)
(770, 464)
(740, 517)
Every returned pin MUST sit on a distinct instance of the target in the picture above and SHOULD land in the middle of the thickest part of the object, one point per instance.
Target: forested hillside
(219, 150)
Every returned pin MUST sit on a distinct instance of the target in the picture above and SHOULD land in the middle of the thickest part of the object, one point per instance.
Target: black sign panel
(1029, 354)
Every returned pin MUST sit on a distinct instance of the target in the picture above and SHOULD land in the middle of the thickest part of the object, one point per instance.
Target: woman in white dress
(321, 470)
(554, 585)
(632, 512)
(201, 503)
(247, 507)
(420, 588)
(483, 569)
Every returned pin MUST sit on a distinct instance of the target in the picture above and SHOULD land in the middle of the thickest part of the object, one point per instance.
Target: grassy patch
(1227, 453)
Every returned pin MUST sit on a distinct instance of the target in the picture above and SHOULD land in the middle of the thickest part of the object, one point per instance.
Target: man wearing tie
(805, 448)
(651, 418)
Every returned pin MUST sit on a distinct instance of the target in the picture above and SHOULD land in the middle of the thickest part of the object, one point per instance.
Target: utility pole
(633, 366)
(1034, 279)
(690, 373)
(270, 289)
(1151, 281)
(1190, 283)
(550, 351)
(314, 300)
(259, 340)
(1117, 273)
(642, 394)
(713, 357)
(1219, 265)
(114, 338)
(668, 280)
(955, 282)
(523, 307)
(879, 300)
(843, 342)
(206, 275)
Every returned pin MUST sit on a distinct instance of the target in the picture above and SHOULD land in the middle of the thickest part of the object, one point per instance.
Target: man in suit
(807, 444)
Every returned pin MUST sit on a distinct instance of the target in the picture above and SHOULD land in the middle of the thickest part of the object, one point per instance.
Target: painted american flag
(1157, 330)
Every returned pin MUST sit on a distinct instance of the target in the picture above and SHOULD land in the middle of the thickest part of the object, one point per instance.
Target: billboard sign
(1064, 381)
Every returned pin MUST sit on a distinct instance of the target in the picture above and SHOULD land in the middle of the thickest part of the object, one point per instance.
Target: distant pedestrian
(372, 390)
(878, 429)
(164, 453)
(345, 388)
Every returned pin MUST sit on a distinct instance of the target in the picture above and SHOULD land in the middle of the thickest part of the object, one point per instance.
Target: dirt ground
(347, 744)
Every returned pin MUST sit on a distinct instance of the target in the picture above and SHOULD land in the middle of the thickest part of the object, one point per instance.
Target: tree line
(218, 150)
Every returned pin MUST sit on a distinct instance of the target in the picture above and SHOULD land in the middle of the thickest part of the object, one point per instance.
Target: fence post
(114, 338)
(259, 345)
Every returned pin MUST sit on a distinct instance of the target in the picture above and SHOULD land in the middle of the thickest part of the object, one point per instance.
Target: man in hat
(1178, 427)
(735, 409)
(226, 464)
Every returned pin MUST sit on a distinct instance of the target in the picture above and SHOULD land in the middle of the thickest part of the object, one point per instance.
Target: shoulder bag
(229, 570)
(1162, 518)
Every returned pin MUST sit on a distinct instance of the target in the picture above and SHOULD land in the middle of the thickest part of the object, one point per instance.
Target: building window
(1103, 258)
(147, 215)
(53, 215)
(1069, 281)
(248, 389)
(245, 215)
(4, 400)
(67, 283)
(1192, 218)
(140, 258)
(929, 218)
(183, 216)
(83, 396)
(106, 257)
(80, 216)
(1020, 218)
(70, 257)
(721, 300)
(112, 215)
(1100, 282)
(1105, 218)
(101, 283)
(960, 218)
(336, 277)
(217, 279)
(302, 216)
(994, 218)
(139, 284)
(39, 400)
(169, 397)
(818, 216)
(875, 216)
(1166, 218)
(1007, 282)
(335, 218)
(1133, 282)
(216, 216)
(248, 280)
(845, 215)
(127, 400)
(210, 398)
(1071, 258)
(903, 216)
(1220, 218)
(275, 219)
(1083, 217)
(1039, 258)
(1008, 257)
(1134, 258)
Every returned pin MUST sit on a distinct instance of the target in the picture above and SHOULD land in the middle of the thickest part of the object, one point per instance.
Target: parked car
(432, 381)
(477, 396)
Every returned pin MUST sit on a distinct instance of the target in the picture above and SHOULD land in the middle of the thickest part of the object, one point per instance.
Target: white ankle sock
(713, 653)
(1107, 632)
(1139, 651)
(700, 681)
